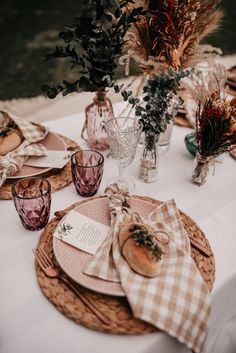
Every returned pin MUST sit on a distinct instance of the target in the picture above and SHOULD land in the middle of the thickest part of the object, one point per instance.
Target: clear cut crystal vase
(149, 160)
(96, 114)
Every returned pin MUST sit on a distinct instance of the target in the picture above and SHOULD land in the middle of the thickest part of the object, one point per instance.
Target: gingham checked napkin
(177, 301)
(13, 161)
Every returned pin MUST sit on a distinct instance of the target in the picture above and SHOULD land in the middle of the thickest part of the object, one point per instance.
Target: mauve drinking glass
(32, 199)
(87, 171)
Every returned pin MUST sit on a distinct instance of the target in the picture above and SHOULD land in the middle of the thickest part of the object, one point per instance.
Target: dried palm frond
(168, 35)
(206, 82)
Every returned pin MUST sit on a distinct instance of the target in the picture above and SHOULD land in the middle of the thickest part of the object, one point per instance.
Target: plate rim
(45, 170)
(97, 290)
(55, 240)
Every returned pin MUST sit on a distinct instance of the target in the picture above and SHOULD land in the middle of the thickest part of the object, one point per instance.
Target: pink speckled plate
(51, 142)
(73, 260)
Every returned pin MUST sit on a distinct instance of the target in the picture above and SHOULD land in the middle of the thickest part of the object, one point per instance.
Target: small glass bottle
(96, 114)
(149, 160)
(201, 167)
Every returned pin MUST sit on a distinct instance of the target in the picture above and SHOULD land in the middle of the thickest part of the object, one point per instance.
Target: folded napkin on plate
(14, 160)
(177, 301)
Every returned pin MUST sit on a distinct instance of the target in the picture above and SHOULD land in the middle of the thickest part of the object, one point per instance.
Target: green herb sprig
(64, 230)
(4, 130)
(143, 238)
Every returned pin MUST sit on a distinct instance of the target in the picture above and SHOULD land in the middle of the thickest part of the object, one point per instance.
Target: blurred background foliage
(29, 30)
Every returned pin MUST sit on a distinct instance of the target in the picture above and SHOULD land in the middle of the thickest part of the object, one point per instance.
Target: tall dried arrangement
(216, 127)
(215, 134)
(169, 33)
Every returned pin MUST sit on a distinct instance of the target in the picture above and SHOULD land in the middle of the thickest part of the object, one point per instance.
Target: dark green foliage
(155, 112)
(98, 34)
(156, 109)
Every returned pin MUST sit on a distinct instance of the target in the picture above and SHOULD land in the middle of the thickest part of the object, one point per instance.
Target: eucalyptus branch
(159, 103)
(98, 35)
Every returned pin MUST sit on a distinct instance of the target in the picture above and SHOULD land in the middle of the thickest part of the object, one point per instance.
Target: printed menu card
(82, 232)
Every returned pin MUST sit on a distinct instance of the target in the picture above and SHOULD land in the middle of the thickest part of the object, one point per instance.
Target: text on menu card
(82, 232)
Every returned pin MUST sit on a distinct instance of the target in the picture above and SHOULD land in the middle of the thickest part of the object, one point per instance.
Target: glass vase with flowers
(92, 44)
(156, 111)
(215, 134)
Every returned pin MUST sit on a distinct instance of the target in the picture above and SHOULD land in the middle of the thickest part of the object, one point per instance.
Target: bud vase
(164, 139)
(96, 114)
(201, 167)
(149, 161)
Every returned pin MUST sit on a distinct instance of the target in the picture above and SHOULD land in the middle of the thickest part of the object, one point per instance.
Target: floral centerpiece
(92, 45)
(160, 103)
(168, 34)
(215, 134)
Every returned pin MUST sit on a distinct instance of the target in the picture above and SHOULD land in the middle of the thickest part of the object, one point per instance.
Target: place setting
(131, 244)
(80, 275)
(109, 262)
(30, 150)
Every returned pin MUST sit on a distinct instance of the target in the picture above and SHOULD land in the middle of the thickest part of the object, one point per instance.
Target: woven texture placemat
(117, 308)
(57, 178)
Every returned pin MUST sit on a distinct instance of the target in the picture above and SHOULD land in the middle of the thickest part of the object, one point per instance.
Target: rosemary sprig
(4, 130)
(143, 238)
(64, 230)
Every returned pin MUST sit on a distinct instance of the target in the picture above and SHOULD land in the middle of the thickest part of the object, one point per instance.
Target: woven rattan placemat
(116, 308)
(57, 178)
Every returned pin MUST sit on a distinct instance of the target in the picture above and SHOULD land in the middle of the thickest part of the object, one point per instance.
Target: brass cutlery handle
(200, 247)
(60, 214)
(87, 301)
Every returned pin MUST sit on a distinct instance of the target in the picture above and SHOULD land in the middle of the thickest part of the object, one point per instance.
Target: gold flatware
(52, 271)
(200, 247)
(60, 214)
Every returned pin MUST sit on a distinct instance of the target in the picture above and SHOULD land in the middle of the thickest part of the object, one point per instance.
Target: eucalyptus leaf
(100, 39)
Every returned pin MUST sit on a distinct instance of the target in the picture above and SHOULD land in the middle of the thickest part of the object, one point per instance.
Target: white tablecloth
(30, 323)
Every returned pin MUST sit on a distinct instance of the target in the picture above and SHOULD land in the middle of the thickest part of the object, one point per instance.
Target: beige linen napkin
(177, 301)
(14, 160)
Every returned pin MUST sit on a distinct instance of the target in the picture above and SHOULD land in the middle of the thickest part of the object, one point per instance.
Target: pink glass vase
(97, 113)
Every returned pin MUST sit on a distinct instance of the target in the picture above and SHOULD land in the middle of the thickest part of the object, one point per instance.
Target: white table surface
(30, 323)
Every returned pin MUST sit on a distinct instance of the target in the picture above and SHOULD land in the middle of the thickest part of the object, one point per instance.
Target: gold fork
(52, 271)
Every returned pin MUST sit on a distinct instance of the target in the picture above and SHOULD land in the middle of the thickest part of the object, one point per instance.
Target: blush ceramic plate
(73, 260)
(51, 142)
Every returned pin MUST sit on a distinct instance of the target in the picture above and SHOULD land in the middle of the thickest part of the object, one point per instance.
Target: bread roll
(137, 253)
(10, 135)
(10, 142)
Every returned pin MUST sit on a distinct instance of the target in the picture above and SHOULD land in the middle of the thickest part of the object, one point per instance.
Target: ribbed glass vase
(97, 113)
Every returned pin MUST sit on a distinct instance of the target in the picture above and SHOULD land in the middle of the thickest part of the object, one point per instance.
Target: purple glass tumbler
(87, 171)
(32, 199)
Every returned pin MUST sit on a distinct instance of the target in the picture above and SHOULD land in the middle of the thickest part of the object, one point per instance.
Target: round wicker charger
(57, 178)
(117, 308)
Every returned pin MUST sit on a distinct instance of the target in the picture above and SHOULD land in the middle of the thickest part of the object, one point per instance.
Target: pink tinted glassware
(97, 114)
(32, 199)
(87, 171)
